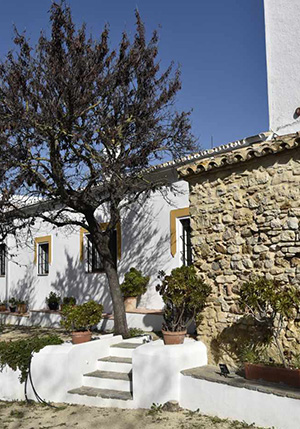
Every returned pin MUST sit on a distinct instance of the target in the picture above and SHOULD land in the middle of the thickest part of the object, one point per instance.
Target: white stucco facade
(283, 62)
(145, 245)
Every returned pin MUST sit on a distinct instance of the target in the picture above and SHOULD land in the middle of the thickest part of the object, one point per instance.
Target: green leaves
(265, 299)
(81, 317)
(184, 295)
(134, 283)
(17, 354)
(271, 303)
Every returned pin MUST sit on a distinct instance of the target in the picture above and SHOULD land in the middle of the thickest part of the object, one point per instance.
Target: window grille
(94, 263)
(187, 258)
(43, 258)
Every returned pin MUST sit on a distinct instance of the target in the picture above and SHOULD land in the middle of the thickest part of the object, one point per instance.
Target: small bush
(135, 332)
(134, 284)
(53, 301)
(69, 300)
(81, 317)
(184, 295)
(271, 304)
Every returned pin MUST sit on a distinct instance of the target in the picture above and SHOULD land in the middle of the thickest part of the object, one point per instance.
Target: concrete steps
(111, 383)
(108, 380)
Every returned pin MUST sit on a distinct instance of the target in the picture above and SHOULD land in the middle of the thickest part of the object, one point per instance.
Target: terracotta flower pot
(2, 307)
(173, 337)
(81, 337)
(274, 374)
(130, 303)
(22, 308)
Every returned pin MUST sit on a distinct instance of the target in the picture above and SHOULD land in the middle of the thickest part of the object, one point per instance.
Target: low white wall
(57, 369)
(236, 403)
(156, 370)
(10, 387)
(146, 322)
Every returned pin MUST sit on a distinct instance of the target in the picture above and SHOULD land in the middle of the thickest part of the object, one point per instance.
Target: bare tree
(80, 124)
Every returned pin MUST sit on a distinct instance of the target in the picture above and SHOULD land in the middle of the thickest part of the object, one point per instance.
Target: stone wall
(245, 221)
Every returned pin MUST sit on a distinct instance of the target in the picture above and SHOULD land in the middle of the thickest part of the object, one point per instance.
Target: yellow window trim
(103, 226)
(41, 240)
(174, 214)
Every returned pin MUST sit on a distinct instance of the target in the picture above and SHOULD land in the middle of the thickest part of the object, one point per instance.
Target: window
(2, 259)
(42, 254)
(43, 258)
(186, 252)
(94, 263)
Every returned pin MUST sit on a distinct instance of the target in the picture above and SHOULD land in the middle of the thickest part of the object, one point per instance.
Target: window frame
(185, 249)
(38, 242)
(84, 248)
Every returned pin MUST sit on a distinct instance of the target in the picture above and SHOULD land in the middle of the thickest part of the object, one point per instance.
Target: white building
(150, 238)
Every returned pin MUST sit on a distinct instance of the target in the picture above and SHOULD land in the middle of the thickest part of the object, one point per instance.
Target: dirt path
(15, 415)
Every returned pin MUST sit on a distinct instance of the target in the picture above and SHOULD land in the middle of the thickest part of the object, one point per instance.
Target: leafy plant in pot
(185, 296)
(53, 301)
(273, 305)
(12, 305)
(68, 300)
(80, 319)
(21, 306)
(2, 305)
(133, 286)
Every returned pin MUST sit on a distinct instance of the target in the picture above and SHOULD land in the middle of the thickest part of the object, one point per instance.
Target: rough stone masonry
(245, 218)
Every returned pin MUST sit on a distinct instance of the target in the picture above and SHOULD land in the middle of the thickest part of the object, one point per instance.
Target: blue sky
(219, 44)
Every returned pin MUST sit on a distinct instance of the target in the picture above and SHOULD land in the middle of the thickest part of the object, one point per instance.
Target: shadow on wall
(232, 344)
(74, 281)
(145, 245)
(25, 288)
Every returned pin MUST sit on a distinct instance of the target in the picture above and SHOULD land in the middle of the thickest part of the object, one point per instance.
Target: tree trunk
(120, 322)
(101, 242)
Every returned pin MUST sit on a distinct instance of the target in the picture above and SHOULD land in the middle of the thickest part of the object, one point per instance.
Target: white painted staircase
(110, 384)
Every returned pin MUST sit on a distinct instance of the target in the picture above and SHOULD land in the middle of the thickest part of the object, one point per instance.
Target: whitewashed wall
(145, 245)
(283, 63)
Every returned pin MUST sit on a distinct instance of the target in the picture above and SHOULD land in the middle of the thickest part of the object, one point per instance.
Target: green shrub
(272, 304)
(134, 283)
(81, 317)
(135, 332)
(17, 354)
(53, 301)
(69, 300)
(184, 295)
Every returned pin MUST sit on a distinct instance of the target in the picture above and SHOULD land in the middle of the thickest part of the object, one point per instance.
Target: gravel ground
(15, 415)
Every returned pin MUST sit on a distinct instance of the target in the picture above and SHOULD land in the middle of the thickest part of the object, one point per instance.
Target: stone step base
(103, 398)
(113, 375)
(115, 364)
(126, 345)
(116, 359)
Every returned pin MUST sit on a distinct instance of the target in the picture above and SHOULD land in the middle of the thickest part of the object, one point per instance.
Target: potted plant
(53, 301)
(12, 305)
(133, 286)
(272, 305)
(68, 300)
(21, 306)
(80, 319)
(184, 295)
(2, 305)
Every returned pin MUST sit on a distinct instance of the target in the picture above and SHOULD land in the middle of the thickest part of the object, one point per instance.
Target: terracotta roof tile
(240, 154)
